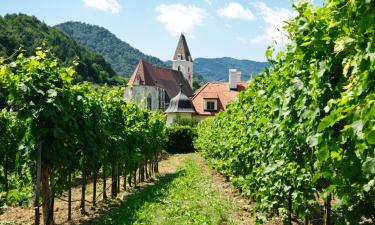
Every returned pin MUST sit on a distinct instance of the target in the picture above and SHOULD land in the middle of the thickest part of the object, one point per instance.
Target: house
(153, 86)
(214, 97)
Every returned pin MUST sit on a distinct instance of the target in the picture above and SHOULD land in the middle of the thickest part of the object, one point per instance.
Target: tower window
(179, 68)
(179, 56)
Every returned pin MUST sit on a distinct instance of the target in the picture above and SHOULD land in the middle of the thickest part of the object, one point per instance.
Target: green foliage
(19, 31)
(180, 139)
(79, 128)
(12, 132)
(185, 122)
(304, 128)
(196, 84)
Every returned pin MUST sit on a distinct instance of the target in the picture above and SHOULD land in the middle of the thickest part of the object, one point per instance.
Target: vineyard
(55, 132)
(300, 141)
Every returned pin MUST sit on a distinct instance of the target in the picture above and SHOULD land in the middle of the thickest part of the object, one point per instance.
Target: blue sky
(214, 28)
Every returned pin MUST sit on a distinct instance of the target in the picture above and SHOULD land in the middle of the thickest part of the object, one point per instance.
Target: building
(153, 87)
(214, 97)
(170, 89)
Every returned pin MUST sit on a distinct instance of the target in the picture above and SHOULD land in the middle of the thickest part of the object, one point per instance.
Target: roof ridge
(199, 90)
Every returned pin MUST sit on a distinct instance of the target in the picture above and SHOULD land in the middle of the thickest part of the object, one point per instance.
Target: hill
(123, 57)
(27, 32)
(217, 69)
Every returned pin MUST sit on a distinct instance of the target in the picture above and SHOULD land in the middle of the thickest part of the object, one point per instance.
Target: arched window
(149, 101)
(137, 81)
(179, 68)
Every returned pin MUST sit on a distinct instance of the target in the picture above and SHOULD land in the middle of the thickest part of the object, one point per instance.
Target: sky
(240, 29)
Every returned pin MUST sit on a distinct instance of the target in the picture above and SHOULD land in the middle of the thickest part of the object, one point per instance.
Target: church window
(179, 68)
(149, 101)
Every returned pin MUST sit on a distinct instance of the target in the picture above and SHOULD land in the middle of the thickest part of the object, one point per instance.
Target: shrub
(180, 139)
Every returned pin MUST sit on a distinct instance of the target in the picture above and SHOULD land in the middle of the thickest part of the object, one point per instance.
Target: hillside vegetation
(217, 69)
(19, 31)
(123, 57)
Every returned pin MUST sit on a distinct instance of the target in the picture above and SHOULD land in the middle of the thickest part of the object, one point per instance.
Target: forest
(20, 33)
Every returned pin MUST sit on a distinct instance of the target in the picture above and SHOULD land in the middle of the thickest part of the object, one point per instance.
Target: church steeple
(182, 51)
(182, 60)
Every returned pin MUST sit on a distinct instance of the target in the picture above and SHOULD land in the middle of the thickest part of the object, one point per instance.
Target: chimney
(234, 78)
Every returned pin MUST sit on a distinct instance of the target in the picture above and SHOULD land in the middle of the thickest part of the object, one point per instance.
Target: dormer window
(210, 105)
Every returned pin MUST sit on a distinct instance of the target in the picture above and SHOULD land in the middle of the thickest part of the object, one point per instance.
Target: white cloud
(105, 5)
(236, 11)
(275, 19)
(180, 18)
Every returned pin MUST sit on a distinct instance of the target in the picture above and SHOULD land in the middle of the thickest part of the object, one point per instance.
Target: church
(170, 90)
(154, 87)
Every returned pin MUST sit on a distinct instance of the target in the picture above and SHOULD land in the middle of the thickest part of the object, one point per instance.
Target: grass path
(185, 194)
(187, 191)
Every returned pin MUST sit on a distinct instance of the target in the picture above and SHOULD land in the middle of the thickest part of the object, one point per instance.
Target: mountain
(123, 57)
(217, 69)
(28, 33)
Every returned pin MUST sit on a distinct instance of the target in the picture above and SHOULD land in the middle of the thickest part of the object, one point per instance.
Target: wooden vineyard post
(37, 185)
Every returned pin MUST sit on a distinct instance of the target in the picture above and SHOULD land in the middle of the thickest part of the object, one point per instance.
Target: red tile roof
(165, 78)
(215, 90)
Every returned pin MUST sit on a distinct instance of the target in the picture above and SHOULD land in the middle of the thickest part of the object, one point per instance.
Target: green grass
(185, 197)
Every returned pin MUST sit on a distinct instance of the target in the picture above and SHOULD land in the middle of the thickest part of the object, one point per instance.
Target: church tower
(182, 60)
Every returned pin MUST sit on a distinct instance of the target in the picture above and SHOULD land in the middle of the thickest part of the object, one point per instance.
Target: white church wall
(139, 93)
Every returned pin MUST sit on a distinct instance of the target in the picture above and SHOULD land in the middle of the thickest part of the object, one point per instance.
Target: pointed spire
(182, 50)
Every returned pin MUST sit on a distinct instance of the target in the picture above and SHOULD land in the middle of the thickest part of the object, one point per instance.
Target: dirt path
(240, 214)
